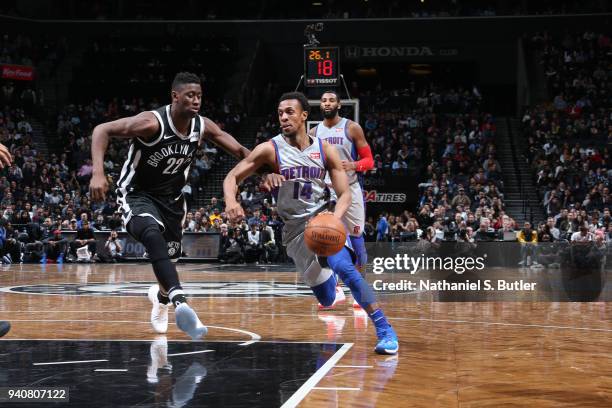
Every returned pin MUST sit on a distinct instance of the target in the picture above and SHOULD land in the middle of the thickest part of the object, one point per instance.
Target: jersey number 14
(302, 190)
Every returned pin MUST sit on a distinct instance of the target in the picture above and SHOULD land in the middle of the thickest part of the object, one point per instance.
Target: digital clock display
(321, 66)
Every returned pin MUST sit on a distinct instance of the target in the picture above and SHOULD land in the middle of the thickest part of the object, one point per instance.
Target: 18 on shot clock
(321, 66)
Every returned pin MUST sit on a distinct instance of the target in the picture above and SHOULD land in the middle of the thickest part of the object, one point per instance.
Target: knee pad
(147, 231)
(326, 291)
(315, 275)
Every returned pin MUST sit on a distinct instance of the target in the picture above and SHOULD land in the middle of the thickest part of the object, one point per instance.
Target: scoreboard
(321, 66)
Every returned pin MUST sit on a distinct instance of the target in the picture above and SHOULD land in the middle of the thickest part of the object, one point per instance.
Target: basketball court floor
(86, 327)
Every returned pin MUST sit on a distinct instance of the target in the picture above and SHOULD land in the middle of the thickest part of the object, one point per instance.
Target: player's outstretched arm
(144, 126)
(262, 155)
(339, 179)
(366, 160)
(224, 140)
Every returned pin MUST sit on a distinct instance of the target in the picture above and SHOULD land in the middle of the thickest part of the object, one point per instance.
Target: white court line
(69, 362)
(337, 388)
(172, 340)
(313, 315)
(352, 366)
(540, 326)
(191, 352)
(254, 336)
(111, 370)
(299, 395)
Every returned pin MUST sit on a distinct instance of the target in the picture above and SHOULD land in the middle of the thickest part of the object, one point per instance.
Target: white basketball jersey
(338, 137)
(303, 194)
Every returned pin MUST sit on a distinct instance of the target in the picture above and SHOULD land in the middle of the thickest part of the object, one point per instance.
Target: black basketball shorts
(168, 212)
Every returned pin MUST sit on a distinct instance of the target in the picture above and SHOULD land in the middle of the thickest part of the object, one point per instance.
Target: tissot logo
(192, 289)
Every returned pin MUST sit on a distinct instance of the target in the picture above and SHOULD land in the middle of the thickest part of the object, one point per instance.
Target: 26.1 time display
(321, 66)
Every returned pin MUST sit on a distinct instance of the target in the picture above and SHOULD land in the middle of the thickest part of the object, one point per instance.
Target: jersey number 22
(173, 165)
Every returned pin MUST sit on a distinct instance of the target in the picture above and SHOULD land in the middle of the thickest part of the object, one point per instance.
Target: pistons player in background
(349, 140)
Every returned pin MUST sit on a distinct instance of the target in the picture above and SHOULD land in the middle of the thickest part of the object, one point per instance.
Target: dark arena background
(487, 220)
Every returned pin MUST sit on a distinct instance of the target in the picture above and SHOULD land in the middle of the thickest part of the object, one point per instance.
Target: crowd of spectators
(440, 134)
(324, 9)
(41, 196)
(568, 137)
(444, 134)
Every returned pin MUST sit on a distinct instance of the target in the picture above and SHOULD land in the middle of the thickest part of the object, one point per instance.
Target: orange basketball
(325, 235)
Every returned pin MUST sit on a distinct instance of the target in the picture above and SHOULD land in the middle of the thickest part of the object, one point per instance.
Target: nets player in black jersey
(149, 194)
(5, 160)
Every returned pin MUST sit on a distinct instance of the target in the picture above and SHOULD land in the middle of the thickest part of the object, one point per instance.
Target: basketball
(325, 235)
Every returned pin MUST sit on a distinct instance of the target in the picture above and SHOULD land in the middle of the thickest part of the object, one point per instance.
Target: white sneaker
(340, 298)
(159, 312)
(159, 359)
(187, 320)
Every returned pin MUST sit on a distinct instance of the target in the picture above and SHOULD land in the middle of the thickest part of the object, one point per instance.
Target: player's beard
(291, 135)
(329, 114)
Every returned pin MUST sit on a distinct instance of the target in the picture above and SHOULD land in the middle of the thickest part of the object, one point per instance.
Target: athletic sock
(379, 319)
(163, 299)
(177, 296)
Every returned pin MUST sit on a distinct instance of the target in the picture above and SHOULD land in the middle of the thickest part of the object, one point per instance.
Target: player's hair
(296, 95)
(331, 91)
(183, 78)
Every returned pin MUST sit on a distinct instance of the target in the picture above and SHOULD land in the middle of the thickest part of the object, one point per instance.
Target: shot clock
(321, 66)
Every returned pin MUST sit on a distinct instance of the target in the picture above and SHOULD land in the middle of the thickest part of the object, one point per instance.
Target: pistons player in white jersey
(303, 162)
(349, 140)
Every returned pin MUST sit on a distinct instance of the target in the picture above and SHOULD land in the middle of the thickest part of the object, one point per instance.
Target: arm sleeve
(366, 161)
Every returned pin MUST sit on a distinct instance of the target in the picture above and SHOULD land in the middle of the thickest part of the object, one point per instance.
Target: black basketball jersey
(161, 167)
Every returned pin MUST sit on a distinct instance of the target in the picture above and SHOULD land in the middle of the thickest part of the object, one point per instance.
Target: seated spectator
(253, 249)
(116, 222)
(484, 232)
(113, 250)
(583, 236)
(84, 240)
(528, 239)
(55, 248)
(100, 224)
(231, 246)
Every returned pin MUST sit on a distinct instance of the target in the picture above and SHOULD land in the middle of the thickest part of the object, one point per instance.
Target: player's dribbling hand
(271, 181)
(348, 165)
(5, 156)
(338, 216)
(98, 186)
(234, 212)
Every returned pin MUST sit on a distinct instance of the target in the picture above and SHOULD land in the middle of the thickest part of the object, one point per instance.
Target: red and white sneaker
(356, 305)
(339, 300)
(334, 324)
(360, 319)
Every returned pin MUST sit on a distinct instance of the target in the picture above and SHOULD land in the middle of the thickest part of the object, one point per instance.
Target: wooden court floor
(452, 354)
